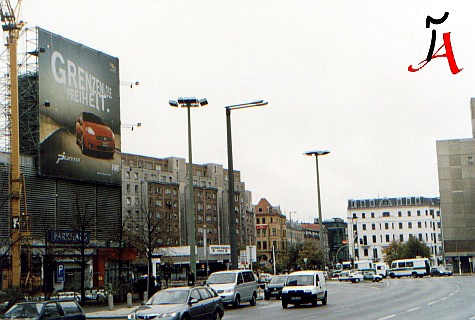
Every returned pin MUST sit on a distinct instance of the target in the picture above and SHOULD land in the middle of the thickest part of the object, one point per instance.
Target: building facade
(271, 231)
(162, 184)
(374, 223)
(456, 169)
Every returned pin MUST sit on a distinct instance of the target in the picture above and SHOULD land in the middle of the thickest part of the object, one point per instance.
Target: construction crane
(12, 26)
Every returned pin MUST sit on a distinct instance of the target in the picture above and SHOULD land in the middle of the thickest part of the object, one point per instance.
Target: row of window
(432, 225)
(387, 214)
(266, 245)
(272, 220)
(263, 232)
(435, 250)
(433, 238)
(385, 202)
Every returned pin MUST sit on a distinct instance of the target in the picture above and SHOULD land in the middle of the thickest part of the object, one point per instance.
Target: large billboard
(79, 111)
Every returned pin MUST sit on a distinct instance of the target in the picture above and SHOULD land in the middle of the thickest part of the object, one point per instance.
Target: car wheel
(266, 297)
(237, 302)
(357, 280)
(83, 148)
(324, 301)
(185, 317)
(253, 300)
(315, 301)
(414, 275)
(284, 304)
(217, 315)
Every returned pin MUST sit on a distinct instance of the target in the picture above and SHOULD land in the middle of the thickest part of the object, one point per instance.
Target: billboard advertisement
(79, 111)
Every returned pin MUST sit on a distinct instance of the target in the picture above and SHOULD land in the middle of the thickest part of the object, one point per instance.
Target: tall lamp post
(323, 237)
(232, 212)
(188, 103)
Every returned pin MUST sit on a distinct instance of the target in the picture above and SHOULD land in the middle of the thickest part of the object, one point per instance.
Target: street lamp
(318, 153)
(188, 103)
(231, 204)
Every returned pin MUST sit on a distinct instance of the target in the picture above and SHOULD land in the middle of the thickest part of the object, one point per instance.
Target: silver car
(183, 303)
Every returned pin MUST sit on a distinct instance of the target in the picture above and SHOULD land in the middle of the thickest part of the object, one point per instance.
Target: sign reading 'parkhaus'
(56, 236)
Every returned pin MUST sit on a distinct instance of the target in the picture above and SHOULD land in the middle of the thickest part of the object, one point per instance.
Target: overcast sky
(334, 73)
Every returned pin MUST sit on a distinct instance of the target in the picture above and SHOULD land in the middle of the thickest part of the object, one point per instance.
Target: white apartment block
(374, 223)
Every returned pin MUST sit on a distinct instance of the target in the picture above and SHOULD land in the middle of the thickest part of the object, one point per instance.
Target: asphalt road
(406, 298)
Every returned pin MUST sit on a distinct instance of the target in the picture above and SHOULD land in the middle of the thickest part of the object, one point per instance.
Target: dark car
(93, 135)
(440, 271)
(180, 303)
(57, 309)
(274, 287)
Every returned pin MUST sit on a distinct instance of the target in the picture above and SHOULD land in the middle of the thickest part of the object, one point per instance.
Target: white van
(382, 269)
(305, 287)
(417, 267)
(234, 286)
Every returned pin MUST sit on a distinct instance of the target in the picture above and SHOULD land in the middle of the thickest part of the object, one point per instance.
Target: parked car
(305, 287)
(52, 309)
(353, 277)
(372, 275)
(234, 286)
(275, 286)
(180, 303)
(263, 279)
(440, 271)
(93, 135)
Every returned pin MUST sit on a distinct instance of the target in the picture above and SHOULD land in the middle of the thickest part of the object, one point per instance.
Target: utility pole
(10, 25)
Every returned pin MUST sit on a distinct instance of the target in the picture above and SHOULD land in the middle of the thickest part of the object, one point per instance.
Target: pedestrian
(191, 278)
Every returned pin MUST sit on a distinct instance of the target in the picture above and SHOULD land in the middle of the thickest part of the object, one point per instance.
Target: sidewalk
(120, 311)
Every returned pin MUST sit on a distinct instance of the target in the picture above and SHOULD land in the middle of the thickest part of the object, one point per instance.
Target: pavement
(118, 311)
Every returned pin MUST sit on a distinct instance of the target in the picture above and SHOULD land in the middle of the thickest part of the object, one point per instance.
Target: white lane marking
(414, 309)
(387, 317)
(472, 318)
(443, 298)
(431, 303)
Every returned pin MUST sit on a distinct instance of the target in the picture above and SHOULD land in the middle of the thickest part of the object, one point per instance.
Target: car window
(220, 278)
(195, 294)
(204, 293)
(51, 310)
(248, 276)
(70, 307)
(317, 279)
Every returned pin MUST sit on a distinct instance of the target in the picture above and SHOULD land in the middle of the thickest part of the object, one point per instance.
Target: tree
(288, 259)
(394, 251)
(314, 255)
(414, 248)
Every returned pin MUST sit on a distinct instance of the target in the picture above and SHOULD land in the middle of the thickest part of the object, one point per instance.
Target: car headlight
(308, 290)
(90, 131)
(167, 315)
(131, 316)
(228, 290)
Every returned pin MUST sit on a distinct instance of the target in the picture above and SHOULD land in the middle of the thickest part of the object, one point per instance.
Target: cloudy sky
(334, 73)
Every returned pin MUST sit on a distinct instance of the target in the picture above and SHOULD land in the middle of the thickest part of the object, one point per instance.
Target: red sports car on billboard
(93, 135)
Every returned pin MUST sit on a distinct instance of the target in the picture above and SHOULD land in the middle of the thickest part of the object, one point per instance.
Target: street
(405, 298)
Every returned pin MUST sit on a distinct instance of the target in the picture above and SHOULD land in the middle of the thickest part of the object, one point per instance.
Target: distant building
(271, 231)
(374, 223)
(337, 240)
(455, 160)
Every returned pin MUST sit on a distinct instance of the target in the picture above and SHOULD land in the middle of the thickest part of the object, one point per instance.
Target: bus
(417, 267)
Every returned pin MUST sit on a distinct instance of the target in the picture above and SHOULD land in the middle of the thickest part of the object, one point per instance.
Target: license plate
(295, 298)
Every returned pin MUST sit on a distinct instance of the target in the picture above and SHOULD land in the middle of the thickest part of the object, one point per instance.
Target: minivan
(234, 286)
(306, 286)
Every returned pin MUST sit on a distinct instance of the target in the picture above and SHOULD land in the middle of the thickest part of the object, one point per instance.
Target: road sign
(60, 273)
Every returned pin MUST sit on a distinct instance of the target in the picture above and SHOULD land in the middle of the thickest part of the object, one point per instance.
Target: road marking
(414, 309)
(388, 317)
(472, 318)
(431, 303)
(443, 298)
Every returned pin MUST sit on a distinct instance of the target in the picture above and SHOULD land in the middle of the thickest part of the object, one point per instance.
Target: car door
(196, 308)
(207, 302)
(71, 310)
(51, 311)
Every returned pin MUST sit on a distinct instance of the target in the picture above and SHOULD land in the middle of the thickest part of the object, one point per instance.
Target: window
(263, 220)
(387, 238)
(399, 214)
(264, 245)
(375, 253)
(365, 252)
(386, 226)
(409, 225)
(136, 175)
(374, 238)
(257, 220)
(274, 232)
(419, 224)
(401, 237)
(418, 213)
(386, 214)
(409, 213)
(400, 225)
(128, 200)
(372, 215)
(408, 201)
(373, 226)
(364, 226)
(363, 215)
(70, 307)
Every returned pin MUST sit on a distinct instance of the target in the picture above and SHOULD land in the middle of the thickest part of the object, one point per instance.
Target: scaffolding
(27, 95)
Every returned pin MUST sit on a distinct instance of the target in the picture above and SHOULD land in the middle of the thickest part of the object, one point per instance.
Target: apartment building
(374, 223)
(162, 183)
(455, 161)
(271, 231)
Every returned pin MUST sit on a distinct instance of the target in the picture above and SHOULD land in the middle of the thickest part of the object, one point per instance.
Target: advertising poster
(79, 111)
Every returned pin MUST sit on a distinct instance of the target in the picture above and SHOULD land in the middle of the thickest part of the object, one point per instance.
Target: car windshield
(300, 280)
(90, 117)
(24, 311)
(221, 278)
(169, 297)
(278, 279)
